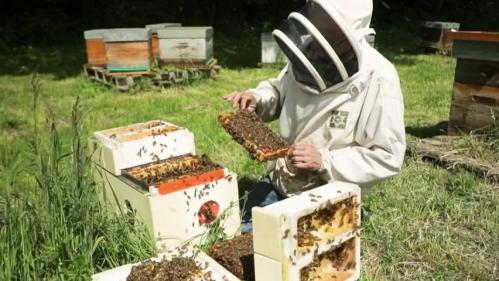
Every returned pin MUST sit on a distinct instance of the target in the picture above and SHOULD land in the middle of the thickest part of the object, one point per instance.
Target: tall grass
(52, 226)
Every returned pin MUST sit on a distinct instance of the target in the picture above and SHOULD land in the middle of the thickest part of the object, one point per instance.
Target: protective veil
(337, 94)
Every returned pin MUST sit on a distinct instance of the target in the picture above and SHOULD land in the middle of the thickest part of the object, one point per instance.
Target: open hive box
(124, 147)
(177, 197)
(252, 133)
(171, 266)
(316, 236)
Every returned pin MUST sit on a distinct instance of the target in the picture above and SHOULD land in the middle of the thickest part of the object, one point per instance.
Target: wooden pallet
(175, 74)
(440, 150)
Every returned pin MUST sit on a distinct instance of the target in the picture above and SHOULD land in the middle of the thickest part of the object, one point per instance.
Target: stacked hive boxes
(433, 34)
(95, 46)
(475, 99)
(154, 35)
(129, 162)
(312, 236)
(128, 49)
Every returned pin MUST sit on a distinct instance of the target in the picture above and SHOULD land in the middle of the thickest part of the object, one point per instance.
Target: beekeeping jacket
(337, 94)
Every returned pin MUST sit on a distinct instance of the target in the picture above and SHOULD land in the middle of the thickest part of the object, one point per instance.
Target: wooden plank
(440, 150)
(477, 72)
(473, 36)
(473, 107)
(476, 50)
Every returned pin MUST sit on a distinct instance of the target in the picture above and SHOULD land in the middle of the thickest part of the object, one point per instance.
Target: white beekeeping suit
(337, 94)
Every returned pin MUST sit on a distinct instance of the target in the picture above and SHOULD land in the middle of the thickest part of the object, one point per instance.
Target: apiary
(315, 233)
(271, 53)
(128, 146)
(154, 35)
(95, 47)
(475, 97)
(172, 266)
(128, 49)
(186, 44)
(433, 34)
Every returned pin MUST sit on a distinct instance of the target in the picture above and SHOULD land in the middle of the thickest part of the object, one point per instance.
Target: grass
(427, 223)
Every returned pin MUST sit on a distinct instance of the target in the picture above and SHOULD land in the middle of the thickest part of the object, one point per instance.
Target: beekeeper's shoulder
(384, 71)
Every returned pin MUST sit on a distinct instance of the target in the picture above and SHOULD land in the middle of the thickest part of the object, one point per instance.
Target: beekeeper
(338, 102)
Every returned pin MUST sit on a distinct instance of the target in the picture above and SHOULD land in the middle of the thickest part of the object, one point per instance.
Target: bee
(154, 143)
(286, 233)
(113, 136)
(313, 200)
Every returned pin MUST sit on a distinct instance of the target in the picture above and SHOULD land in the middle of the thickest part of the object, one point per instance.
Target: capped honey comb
(250, 131)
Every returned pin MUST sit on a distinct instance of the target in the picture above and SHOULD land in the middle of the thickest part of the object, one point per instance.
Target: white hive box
(186, 44)
(271, 53)
(312, 236)
(206, 263)
(175, 214)
(137, 144)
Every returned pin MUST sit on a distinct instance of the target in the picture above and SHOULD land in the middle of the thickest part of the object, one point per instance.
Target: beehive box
(186, 44)
(128, 49)
(314, 236)
(128, 146)
(154, 35)
(271, 53)
(371, 37)
(475, 99)
(95, 47)
(206, 263)
(433, 34)
(176, 212)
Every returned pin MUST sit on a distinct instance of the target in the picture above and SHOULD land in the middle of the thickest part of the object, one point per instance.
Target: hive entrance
(335, 265)
(326, 223)
(250, 131)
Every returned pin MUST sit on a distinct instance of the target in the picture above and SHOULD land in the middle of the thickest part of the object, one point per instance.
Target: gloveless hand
(242, 100)
(305, 157)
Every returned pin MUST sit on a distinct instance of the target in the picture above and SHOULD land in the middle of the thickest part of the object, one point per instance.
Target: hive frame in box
(121, 273)
(114, 154)
(282, 259)
(172, 218)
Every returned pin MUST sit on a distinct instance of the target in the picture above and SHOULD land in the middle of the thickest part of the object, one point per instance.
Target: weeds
(51, 222)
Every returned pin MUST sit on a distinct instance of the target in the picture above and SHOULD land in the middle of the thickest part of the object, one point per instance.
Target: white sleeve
(269, 96)
(381, 142)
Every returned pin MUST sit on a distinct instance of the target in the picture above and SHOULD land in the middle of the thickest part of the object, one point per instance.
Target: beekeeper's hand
(305, 157)
(242, 100)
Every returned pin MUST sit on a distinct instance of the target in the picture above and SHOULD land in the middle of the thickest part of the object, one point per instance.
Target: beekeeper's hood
(322, 40)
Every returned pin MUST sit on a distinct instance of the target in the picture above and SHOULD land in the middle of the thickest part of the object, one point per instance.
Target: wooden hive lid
(94, 34)
(441, 25)
(186, 32)
(156, 26)
(127, 34)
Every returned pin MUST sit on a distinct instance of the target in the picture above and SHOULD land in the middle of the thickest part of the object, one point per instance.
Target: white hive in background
(186, 44)
(311, 236)
(206, 263)
(271, 53)
(124, 147)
